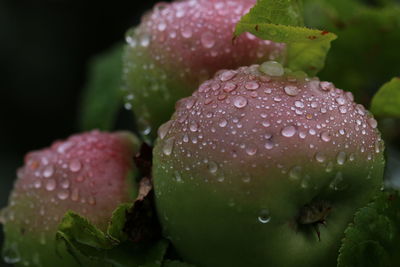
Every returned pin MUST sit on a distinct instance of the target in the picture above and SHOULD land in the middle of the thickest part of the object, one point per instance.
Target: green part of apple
(249, 173)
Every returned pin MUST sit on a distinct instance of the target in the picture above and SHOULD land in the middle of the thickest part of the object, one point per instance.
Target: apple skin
(89, 173)
(177, 46)
(232, 176)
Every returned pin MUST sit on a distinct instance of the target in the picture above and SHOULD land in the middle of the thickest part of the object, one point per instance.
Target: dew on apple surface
(11, 254)
(264, 216)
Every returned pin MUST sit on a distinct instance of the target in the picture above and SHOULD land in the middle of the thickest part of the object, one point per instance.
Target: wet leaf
(281, 21)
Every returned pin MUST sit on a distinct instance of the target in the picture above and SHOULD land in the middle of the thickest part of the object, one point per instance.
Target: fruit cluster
(252, 161)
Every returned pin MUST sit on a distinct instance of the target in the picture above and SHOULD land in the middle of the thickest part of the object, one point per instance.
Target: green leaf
(83, 232)
(87, 243)
(278, 21)
(386, 102)
(102, 96)
(170, 263)
(373, 238)
(118, 219)
(366, 53)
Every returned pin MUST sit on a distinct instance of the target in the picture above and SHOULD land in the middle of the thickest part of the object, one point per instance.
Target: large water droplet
(51, 185)
(326, 86)
(252, 85)
(163, 130)
(272, 68)
(229, 87)
(320, 157)
(264, 216)
(251, 150)
(325, 136)
(227, 75)
(75, 165)
(372, 122)
(269, 145)
(145, 40)
(341, 158)
(48, 171)
(168, 146)
(222, 122)
(208, 39)
(240, 102)
(288, 131)
(11, 254)
(186, 31)
(63, 194)
(291, 90)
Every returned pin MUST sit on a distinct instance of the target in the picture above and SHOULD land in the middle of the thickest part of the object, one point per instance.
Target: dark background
(45, 46)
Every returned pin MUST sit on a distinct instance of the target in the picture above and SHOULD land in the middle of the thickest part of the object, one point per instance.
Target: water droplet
(229, 87)
(342, 109)
(272, 68)
(37, 184)
(193, 126)
(11, 254)
(63, 194)
(65, 183)
(251, 150)
(299, 104)
(168, 146)
(222, 122)
(320, 157)
(240, 102)
(291, 90)
(338, 182)
(264, 216)
(326, 86)
(295, 173)
(341, 100)
(325, 136)
(178, 177)
(246, 178)
(372, 122)
(341, 158)
(208, 39)
(269, 145)
(227, 75)
(252, 85)
(75, 165)
(186, 31)
(212, 167)
(48, 171)
(145, 40)
(266, 124)
(51, 185)
(161, 26)
(220, 179)
(288, 131)
(163, 130)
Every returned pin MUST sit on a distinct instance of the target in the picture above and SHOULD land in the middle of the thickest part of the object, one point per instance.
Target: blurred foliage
(386, 102)
(102, 96)
(365, 55)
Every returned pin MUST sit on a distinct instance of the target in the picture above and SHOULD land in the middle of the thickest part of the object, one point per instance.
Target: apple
(177, 46)
(262, 166)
